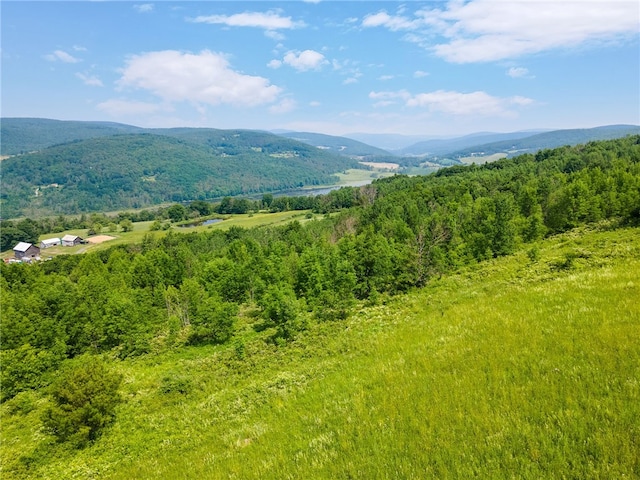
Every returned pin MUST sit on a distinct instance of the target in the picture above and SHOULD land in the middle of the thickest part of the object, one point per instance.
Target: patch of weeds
(176, 383)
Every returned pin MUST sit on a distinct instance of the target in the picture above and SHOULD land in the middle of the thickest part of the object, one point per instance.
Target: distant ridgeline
(117, 169)
(66, 167)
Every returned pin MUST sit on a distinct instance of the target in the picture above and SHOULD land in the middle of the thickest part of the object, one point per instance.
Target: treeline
(29, 230)
(140, 170)
(390, 236)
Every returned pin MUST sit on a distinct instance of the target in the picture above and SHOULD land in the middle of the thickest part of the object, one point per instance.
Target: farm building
(50, 242)
(26, 250)
(71, 240)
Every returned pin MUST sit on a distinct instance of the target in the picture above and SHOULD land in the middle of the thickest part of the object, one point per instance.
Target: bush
(84, 398)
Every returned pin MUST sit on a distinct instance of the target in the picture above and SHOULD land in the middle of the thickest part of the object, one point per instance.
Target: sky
(439, 68)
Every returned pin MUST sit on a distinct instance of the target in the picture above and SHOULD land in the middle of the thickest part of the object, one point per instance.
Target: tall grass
(515, 368)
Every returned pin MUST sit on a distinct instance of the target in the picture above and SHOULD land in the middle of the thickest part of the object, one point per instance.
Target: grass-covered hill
(137, 170)
(519, 367)
(479, 322)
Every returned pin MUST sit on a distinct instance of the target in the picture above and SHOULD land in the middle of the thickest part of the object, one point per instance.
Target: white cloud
(286, 105)
(519, 72)
(393, 23)
(144, 7)
(420, 74)
(90, 80)
(384, 78)
(315, 104)
(62, 56)
(270, 20)
(205, 78)
(491, 30)
(117, 108)
(385, 96)
(79, 48)
(349, 81)
(304, 61)
(474, 103)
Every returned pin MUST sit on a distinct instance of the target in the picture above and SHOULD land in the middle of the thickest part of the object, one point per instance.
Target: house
(50, 242)
(26, 250)
(71, 240)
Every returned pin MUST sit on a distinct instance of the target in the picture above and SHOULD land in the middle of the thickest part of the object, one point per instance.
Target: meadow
(525, 366)
(141, 229)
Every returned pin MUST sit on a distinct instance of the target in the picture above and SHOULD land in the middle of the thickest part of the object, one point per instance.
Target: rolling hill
(438, 147)
(340, 145)
(23, 135)
(137, 170)
(540, 141)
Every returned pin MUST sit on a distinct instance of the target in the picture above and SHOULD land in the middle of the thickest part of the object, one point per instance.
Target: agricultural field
(524, 366)
(480, 159)
(140, 229)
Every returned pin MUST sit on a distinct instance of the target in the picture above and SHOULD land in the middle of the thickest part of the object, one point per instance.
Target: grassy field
(521, 367)
(140, 229)
(479, 160)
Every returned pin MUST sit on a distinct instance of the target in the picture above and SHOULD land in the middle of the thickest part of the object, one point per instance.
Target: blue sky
(334, 67)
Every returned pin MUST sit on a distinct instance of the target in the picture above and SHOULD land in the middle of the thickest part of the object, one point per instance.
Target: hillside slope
(130, 171)
(23, 135)
(340, 145)
(513, 368)
(556, 138)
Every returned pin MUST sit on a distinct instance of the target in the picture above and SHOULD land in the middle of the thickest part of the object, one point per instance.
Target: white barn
(50, 242)
(71, 240)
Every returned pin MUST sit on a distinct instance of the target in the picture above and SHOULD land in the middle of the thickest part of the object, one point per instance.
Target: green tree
(177, 212)
(84, 397)
(126, 225)
(281, 308)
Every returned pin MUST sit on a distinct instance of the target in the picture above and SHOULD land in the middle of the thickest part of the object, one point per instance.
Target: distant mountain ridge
(133, 170)
(340, 145)
(444, 146)
(552, 139)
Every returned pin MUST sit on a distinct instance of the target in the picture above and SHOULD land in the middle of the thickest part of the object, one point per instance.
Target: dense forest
(382, 239)
(138, 170)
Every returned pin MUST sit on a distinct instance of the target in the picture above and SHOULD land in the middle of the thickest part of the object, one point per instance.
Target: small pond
(211, 221)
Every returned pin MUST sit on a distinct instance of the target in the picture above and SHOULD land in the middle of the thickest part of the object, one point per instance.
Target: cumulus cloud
(490, 30)
(474, 103)
(285, 105)
(392, 22)
(90, 80)
(119, 107)
(270, 20)
(452, 103)
(205, 78)
(518, 72)
(301, 61)
(61, 56)
(143, 7)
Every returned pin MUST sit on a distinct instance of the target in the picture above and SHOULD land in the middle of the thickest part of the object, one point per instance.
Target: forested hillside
(131, 171)
(388, 237)
(257, 292)
(24, 135)
(340, 145)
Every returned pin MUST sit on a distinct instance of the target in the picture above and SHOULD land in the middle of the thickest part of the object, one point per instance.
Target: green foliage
(281, 309)
(137, 170)
(84, 398)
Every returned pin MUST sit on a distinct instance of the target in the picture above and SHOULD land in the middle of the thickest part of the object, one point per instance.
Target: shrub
(84, 398)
